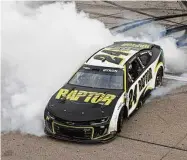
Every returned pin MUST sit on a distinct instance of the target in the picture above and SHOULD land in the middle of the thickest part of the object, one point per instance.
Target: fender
(114, 119)
(160, 64)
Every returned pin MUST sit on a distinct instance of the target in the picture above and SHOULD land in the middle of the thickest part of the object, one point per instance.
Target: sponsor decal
(134, 45)
(117, 51)
(110, 70)
(145, 79)
(133, 96)
(88, 97)
(141, 84)
(86, 67)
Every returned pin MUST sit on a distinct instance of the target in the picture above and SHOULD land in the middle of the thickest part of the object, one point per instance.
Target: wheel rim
(159, 79)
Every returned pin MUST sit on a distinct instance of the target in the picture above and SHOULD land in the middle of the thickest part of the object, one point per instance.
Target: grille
(100, 131)
(77, 123)
(71, 132)
(80, 123)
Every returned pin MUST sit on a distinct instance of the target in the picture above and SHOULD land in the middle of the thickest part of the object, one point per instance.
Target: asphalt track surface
(157, 131)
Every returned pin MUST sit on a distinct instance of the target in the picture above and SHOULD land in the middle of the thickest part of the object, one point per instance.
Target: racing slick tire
(140, 103)
(120, 120)
(159, 78)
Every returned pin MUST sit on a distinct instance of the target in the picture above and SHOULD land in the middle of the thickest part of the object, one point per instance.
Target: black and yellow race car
(108, 87)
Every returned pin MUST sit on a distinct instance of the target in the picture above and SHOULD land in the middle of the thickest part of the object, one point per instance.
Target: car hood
(80, 109)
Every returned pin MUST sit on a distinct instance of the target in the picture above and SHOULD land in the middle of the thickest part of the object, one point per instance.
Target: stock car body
(108, 87)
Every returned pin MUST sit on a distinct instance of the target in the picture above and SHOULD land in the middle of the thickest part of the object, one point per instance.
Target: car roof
(123, 50)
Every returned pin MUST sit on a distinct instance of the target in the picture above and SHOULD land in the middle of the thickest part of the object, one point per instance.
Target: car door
(146, 83)
(139, 74)
(134, 73)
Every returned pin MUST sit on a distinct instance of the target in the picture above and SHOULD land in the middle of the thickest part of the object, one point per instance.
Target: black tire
(140, 103)
(159, 78)
(120, 120)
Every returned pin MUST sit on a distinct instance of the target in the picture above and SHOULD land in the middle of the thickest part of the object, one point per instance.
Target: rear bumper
(100, 139)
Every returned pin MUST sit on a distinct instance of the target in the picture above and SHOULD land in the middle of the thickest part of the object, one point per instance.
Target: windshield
(107, 78)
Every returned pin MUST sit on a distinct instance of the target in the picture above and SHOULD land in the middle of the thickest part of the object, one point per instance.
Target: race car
(107, 88)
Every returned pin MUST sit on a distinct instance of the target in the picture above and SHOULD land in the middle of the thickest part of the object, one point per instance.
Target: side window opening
(130, 80)
(134, 70)
(145, 58)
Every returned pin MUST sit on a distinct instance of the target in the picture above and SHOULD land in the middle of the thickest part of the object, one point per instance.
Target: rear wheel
(120, 120)
(159, 78)
(140, 104)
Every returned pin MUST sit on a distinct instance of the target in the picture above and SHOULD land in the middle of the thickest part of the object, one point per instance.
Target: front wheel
(120, 120)
(159, 78)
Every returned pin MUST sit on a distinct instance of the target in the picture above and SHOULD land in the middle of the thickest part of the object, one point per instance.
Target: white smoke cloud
(167, 88)
(175, 58)
(41, 48)
(39, 53)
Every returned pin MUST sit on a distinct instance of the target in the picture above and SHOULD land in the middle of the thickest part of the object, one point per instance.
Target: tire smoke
(42, 48)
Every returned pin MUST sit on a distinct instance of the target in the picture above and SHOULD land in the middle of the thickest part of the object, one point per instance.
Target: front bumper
(80, 133)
